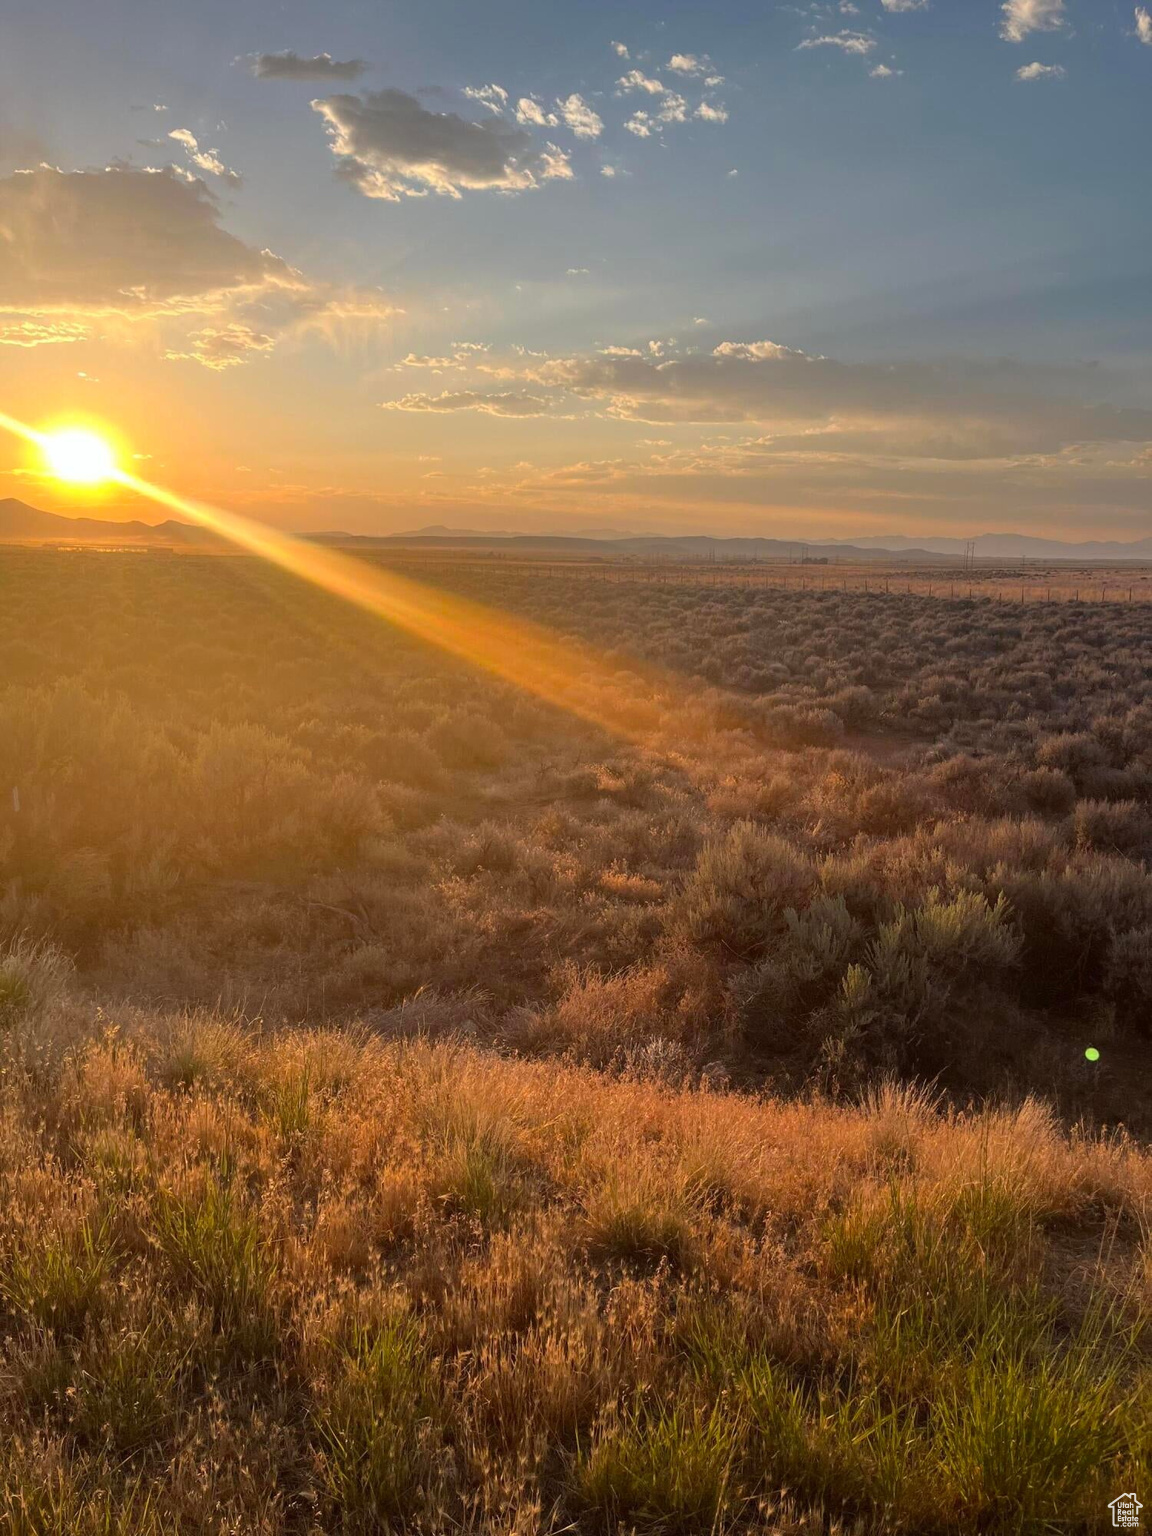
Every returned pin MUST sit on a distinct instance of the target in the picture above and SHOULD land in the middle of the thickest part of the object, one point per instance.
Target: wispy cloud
(494, 97)
(489, 404)
(219, 347)
(1144, 25)
(203, 159)
(848, 42)
(17, 332)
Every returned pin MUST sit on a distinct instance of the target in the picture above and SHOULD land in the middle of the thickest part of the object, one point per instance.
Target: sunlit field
(424, 1108)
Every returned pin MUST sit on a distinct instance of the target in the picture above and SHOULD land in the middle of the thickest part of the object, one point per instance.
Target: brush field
(425, 1109)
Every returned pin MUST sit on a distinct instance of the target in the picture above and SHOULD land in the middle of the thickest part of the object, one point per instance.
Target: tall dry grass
(283, 1281)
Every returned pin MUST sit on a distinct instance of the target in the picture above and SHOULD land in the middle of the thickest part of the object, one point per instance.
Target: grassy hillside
(314, 1282)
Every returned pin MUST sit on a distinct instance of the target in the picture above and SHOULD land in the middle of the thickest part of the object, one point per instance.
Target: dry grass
(302, 1281)
(371, 1153)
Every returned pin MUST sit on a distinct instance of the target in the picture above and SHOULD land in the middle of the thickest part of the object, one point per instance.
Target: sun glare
(79, 456)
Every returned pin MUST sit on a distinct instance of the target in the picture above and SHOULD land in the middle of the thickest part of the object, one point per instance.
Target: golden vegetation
(292, 1281)
(883, 834)
(420, 1110)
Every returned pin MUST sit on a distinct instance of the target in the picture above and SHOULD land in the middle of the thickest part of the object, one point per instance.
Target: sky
(744, 267)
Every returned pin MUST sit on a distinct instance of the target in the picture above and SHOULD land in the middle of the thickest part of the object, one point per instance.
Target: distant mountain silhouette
(21, 523)
(990, 547)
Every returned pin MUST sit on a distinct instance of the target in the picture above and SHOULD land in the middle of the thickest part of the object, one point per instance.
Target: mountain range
(21, 523)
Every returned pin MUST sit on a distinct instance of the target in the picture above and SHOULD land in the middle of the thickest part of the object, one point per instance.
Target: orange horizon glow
(521, 652)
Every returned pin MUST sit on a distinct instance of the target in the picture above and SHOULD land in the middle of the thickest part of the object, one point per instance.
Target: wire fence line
(1000, 588)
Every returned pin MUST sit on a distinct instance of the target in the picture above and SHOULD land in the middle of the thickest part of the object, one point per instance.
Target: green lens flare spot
(1092, 1054)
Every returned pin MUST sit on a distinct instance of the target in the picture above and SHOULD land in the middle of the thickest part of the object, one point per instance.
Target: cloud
(637, 80)
(579, 116)
(18, 332)
(494, 97)
(621, 50)
(755, 351)
(904, 5)
(388, 146)
(291, 66)
(711, 112)
(531, 113)
(204, 159)
(1020, 17)
(883, 72)
(848, 42)
(82, 252)
(1144, 25)
(121, 241)
(1041, 72)
(219, 347)
(940, 409)
(505, 404)
(695, 64)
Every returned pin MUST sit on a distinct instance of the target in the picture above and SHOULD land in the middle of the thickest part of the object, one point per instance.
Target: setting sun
(80, 456)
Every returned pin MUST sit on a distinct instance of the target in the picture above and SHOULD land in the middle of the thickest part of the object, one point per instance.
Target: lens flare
(635, 700)
(79, 456)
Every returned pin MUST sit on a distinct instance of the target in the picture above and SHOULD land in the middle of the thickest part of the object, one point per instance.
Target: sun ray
(629, 701)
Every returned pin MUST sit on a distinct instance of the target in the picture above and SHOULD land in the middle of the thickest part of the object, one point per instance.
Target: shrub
(738, 893)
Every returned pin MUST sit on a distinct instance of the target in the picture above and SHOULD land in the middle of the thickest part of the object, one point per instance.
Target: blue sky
(740, 267)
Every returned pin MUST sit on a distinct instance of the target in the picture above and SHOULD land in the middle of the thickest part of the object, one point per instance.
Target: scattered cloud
(637, 80)
(848, 42)
(220, 347)
(696, 65)
(203, 159)
(530, 113)
(578, 271)
(621, 50)
(904, 5)
(494, 97)
(884, 72)
(1041, 72)
(18, 332)
(1020, 17)
(490, 404)
(1144, 25)
(711, 112)
(389, 146)
(579, 116)
(609, 171)
(292, 66)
